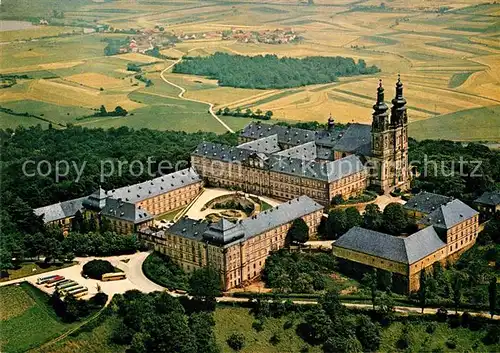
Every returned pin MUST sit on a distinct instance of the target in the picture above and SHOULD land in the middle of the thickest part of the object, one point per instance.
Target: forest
(270, 71)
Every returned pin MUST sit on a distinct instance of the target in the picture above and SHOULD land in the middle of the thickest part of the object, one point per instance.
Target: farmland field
(449, 60)
(28, 320)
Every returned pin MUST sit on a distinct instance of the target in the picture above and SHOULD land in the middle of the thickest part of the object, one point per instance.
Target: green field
(54, 113)
(28, 320)
(231, 320)
(458, 79)
(88, 341)
(479, 124)
(13, 121)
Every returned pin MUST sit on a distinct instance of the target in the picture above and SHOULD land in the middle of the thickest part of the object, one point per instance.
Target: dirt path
(183, 90)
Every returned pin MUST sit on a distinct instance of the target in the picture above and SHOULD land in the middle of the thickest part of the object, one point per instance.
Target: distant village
(143, 40)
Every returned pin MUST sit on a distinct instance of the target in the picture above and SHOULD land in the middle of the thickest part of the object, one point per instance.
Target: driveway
(130, 264)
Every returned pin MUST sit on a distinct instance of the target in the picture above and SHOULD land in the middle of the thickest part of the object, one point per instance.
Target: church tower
(390, 141)
(399, 125)
(380, 140)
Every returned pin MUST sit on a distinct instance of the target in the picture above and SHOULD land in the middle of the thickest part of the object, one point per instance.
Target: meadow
(449, 61)
(28, 321)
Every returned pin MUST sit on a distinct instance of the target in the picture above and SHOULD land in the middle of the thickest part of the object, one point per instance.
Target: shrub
(492, 335)
(466, 318)
(431, 327)
(454, 321)
(258, 325)
(96, 268)
(99, 299)
(451, 343)
(441, 314)
(275, 339)
(236, 341)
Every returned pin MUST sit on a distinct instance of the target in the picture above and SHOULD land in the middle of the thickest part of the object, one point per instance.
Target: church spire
(380, 107)
(398, 110)
(399, 100)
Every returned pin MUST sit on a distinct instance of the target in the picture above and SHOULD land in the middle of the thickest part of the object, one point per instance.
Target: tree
(384, 279)
(336, 224)
(248, 112)
(238, 111)
(205, 285)
(226, 111)
(5, 260)
(202, 324)
(96, 268)
(236, 341)
(103, 111)
(373, 218)
(422, 292)
(268, 115)
(457, 281)
(368, 334)
(370, 281)
(337, 200)
(258, 112)
(492, 295)
(353, 217)
(317, 327)
(339, 344)
(299, 231)
(395, 218)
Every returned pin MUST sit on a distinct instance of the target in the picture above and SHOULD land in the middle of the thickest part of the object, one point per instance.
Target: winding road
(183, 90)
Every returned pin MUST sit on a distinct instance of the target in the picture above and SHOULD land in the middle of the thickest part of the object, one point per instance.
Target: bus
(113, 276)
(71, 283)
(81, 294)
(54, 279)
(67, 289)
(78, 291)
(42, 280)
(54, 283)
(67, 280)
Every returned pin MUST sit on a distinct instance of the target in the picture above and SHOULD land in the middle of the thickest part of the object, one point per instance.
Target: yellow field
(136, 57)
(95, 80)
(68, 95)
(36, 32)
(448, 62)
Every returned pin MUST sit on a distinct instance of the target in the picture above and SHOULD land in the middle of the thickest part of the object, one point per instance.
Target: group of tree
(455, 169)
(337, 330)
(270, 71)
(119, 111)
(393, 220)
(247, 113)
(471, 282)
(96, 268)
(71, 309)
(158, 322)
(203, 284)
(298, 272)
(134, 67)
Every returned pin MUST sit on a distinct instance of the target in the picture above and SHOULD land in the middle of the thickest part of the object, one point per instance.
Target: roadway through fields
(183, 90)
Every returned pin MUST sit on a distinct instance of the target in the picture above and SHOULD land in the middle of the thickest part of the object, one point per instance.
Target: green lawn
(478, 124)
(27, 320)
(230, 320)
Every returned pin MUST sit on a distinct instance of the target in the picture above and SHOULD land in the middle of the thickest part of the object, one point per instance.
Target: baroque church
(287, 162)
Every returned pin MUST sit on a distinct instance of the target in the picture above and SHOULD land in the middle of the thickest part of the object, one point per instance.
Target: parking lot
(130, 264)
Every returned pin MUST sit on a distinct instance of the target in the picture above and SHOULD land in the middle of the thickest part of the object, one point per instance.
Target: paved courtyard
(209, 194)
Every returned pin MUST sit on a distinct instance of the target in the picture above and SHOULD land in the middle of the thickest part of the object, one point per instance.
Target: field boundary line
(183, 90)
